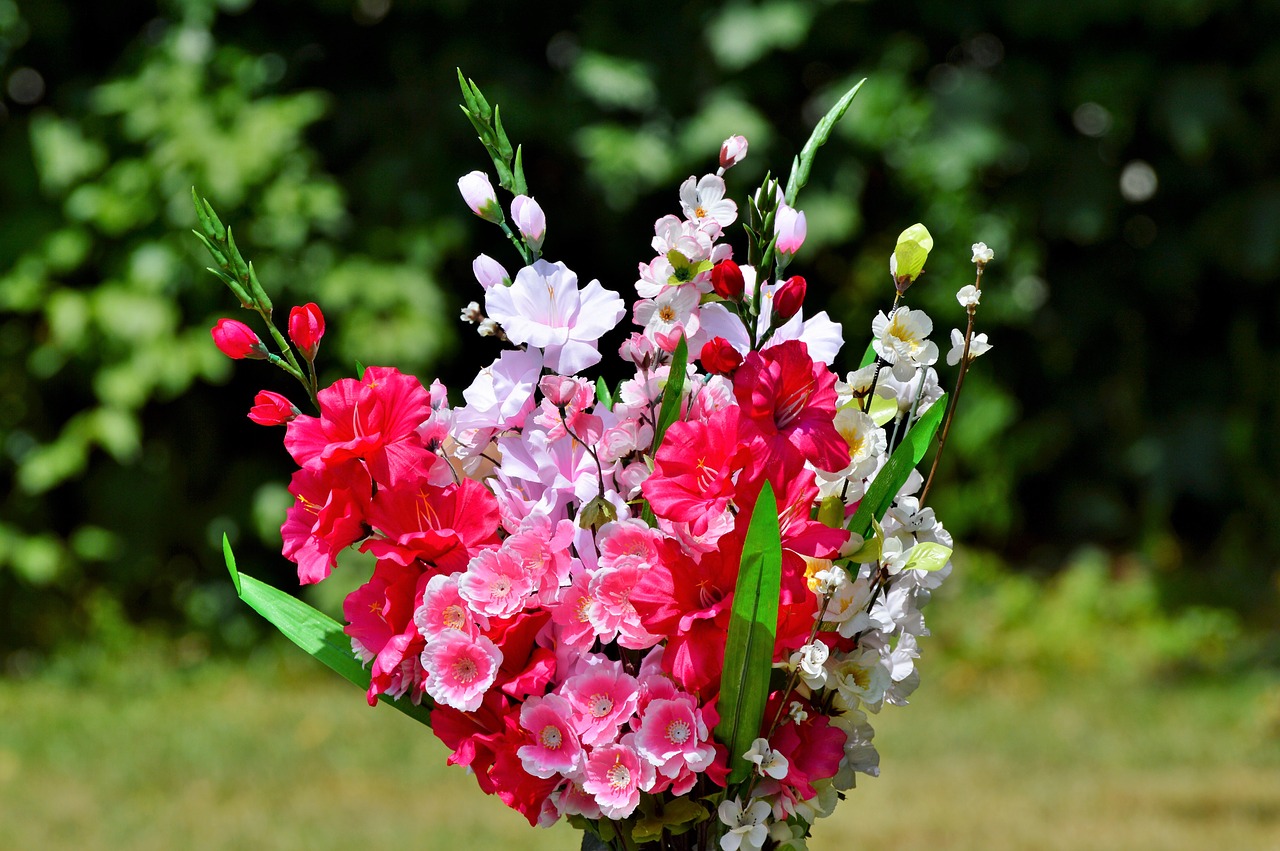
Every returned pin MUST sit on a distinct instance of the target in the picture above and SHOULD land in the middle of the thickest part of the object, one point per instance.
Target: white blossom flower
(969, 296)
(981, 254)
(747, 828)
(768, 761)
(471, 313)
(810, 660)
(977, 346)
(902, 339)
(704, 199)
(797, 712)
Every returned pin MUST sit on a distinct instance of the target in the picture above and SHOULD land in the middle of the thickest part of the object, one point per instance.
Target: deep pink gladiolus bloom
(237, 340)
(271, 409)
(306, 327)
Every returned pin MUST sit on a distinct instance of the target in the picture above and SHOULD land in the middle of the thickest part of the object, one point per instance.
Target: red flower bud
(272, 409)
(237, 340)
(726, 280)
(788, 298)
(719, 357)
(306, 327)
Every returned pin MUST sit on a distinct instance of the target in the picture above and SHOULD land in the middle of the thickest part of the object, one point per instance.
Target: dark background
(1119, 156)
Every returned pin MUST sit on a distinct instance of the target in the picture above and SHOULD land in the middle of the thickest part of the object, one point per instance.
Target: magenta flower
(272, 409)
(554, 748)
(673, 736)
(615, 777)
(460, 668)
(544, 308)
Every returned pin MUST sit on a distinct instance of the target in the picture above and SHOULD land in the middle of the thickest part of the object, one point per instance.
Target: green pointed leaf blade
(312, 630)
(603, 394)
(753, 628)
(894, 474)
(868, 357)
(927, 556)
(802, 165)
(671, 394)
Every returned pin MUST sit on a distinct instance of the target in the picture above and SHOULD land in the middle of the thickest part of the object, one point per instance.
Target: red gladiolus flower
(237, 340)
(306, 327)
(719, 357)
(788, 298)
(270, 409)
(726, 280)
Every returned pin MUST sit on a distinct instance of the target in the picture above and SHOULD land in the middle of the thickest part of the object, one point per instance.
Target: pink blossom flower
(674, 308)
(611, 613)
(272, 409)
(530, 220)
(733, 151)
(502, 393)
(237, 340)
(790, 228)
(478, 194)
(495, 584)
(703, 201)
(571, 613)
(542, 549)
(615, 777)
(544, 308)
(460, 668)
(554, 748)
(603, 697)
(673, 736)
(443, 608)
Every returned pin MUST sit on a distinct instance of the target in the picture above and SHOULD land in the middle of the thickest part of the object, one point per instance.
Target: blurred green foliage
(1118, 156)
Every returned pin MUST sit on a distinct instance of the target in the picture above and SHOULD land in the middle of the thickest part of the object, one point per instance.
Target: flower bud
(788, 299)
(559, 390)
(907, 261)
(306, 327)
(530, 220)
(727, 281)
(719, 357)
(271, 409)
(791, 229)
(733, 151)
(981, 254)
(637, 349)
(489, 272)
(237, 340)
(478, 192)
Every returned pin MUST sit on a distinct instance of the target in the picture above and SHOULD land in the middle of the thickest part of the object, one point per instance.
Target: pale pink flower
(611, 613)
(733, 151)
(627, 542)
(675, 307)
(443, 608)
(603, 697)
(478, 193)
(495, 584)
(460, 668)
(704, 200)
(542, 549)
(489, 272)
(502, 394)
(615, 777)
(554, 747)
(544, 308)
(530, 220)
(791, 229)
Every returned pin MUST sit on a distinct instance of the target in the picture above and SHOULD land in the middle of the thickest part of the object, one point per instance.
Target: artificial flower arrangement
(662, 611)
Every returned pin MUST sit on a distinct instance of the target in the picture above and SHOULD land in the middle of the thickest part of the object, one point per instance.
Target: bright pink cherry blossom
(615, 776)
(554, 747)
(673, 736)
(495, 584)
(603, 698)
(443, 608)
(460, 668)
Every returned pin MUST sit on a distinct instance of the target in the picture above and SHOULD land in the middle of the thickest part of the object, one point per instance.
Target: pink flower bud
(489, 272)
(306, 327)
(270, 409)
(726, 280)
(733, 151)
(719, 357)
(237, 340)
(788, 298)
(559, 390)
(791, 229)
(478, 192)
(637, 349)
(530, 220)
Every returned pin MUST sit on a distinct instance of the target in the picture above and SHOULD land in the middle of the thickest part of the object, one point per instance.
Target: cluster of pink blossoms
(560, 589)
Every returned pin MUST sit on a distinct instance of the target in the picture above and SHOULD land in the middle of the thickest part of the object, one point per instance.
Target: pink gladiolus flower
(237, 340)
(460, 668)
(615, 777)
(544, 308)
(790, 228)
(380, 622)
(374, 419)
(478, 193)
(442, 526)
(733, 151)
(530, 220)
(790, 401)
(327, 516)
(306, 327)
(554, 748)
(272, 409)
(697, 466)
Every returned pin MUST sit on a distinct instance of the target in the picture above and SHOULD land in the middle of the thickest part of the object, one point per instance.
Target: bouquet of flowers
(661, 610)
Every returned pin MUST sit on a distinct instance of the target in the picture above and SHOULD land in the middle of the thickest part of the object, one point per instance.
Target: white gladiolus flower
(981, 254)
(977, 346)
(768, 761)
(969, 296)
(747, 828)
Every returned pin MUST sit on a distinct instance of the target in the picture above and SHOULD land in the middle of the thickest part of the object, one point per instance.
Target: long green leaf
(670, 409)
(753, 627)
(802, 164)
(894, 474)
(312, 630)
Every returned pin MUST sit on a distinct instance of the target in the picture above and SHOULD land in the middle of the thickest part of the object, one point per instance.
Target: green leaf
(883, 409)
(869, 356)
(670, 409)
(801, 166)
(753, 627)
(927, 556)
(683, 269)
(899, 466)
(914, 245)
(312, 630)
(603, 394)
